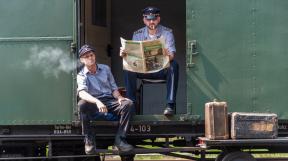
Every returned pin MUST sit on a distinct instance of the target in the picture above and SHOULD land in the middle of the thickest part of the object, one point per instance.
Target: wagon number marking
(141, 128)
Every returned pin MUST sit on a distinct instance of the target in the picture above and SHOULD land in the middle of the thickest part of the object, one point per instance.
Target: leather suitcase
(254, 125)
(216, 120)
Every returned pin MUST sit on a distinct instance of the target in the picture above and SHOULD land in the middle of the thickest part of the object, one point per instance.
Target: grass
(146, 157)
(211, 153)
(164, 157)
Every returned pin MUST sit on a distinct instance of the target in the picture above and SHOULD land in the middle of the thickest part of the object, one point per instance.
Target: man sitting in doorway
(99, 96)
(153, 30)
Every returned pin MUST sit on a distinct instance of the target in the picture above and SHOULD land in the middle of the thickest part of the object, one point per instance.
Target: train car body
(229, 50)
(32, 94)
(241, 45)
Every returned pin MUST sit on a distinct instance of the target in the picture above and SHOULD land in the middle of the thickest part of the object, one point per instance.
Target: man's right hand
(101, 107)
(123, 52)
(87, 97)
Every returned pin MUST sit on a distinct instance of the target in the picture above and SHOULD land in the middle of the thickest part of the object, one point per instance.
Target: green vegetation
(211, 153)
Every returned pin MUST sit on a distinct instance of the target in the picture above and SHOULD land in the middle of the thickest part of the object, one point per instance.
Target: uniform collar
(85, 69)
(158, 32)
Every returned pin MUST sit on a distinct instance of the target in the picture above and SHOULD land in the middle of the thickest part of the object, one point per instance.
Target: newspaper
(144, 56)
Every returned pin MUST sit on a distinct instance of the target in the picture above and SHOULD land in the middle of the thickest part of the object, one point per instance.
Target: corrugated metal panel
(242, 54)
(35, 38)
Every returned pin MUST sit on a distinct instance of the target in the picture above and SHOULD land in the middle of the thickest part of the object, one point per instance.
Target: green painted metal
(32, 95)
(180, 117)
(243, 49)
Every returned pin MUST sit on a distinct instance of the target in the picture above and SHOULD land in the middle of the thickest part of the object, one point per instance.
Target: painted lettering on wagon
(62, 129)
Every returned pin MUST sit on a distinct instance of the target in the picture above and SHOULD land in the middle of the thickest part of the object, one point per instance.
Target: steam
(52, 61)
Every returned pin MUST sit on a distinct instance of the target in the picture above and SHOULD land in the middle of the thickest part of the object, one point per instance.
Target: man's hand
(89, 98)
(123, 52)
(101, 107)
(120, 99)
(167, 53)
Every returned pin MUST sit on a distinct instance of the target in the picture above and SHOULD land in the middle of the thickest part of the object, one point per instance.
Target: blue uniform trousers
(89, 112)
(170, 74)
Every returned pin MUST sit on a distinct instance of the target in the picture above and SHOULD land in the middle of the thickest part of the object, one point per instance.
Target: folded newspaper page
(144, 56)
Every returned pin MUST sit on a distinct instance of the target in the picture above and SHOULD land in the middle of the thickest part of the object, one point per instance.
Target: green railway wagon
(229, 50)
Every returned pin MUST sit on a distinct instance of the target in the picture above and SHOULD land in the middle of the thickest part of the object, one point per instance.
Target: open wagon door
(228, 45)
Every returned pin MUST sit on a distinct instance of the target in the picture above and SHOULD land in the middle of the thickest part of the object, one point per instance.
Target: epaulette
(167, 29)
(138, 31)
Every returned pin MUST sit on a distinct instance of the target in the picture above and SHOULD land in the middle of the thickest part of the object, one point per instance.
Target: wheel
(96, 158)
(127, 157)
(238, 156)
(220, 156)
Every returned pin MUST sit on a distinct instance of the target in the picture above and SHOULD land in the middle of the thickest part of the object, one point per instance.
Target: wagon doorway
(126, 18)
(95, 27)
(103, 22)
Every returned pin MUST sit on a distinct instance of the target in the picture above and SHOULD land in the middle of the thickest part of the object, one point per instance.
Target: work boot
(168, 111)
(122, 145)
(90, 146)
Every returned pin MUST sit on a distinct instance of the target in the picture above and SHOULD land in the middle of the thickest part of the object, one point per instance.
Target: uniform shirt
(100, 84)
(142, 34)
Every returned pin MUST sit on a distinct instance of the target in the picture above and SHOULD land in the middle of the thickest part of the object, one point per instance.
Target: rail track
(262, 159)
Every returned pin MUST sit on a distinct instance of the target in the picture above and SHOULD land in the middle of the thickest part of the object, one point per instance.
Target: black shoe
(168, 111)
(90, 147)
(123, 146)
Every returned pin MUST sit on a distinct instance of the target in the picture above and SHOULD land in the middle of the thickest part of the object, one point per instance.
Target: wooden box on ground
(253, 125)
(216, 121)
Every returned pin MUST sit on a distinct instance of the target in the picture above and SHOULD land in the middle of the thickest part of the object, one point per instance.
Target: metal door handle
(191, 48)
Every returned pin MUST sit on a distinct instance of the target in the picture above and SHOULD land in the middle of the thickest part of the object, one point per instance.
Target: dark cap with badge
(84, 49)
(151, 13)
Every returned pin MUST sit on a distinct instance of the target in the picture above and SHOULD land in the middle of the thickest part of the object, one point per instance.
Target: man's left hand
(120, 99)
(167, 53)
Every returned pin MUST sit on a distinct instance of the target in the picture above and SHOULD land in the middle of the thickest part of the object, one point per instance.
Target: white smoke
(52, 61)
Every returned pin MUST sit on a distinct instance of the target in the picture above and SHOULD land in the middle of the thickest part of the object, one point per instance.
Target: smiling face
(151, 23)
